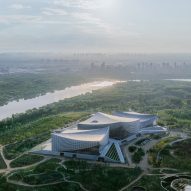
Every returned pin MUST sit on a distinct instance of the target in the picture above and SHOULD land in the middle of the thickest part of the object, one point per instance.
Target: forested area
(170, 100)
(36, 131)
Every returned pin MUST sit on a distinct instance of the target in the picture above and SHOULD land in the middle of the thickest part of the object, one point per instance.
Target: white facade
(153, 130)
(73, 140)
(145, 120)
(100, 120)
(123, 124)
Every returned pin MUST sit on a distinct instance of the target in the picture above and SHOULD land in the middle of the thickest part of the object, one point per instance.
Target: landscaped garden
(91, 176)
(25, 160)
(24, 131)
(2, 163)
(138, 155)
(175, 156)
(149, 183)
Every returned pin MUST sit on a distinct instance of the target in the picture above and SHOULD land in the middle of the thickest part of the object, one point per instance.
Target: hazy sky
(95, 25)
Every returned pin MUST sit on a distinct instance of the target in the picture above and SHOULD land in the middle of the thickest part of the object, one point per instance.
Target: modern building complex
(101, 136)
(84, 141)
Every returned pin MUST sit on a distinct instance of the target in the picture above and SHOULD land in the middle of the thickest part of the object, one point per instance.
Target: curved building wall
(132, 127)
(97, 126)
(61, 143)
(153, 130)
(148, 122)
(125, 128)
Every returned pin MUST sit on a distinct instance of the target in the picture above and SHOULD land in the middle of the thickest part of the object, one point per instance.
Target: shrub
(138, 155)
(132, 149)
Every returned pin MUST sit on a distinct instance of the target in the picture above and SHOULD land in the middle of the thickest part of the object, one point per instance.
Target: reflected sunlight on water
(22, 105)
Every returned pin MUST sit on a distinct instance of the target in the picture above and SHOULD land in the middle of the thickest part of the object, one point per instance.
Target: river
(23, 105)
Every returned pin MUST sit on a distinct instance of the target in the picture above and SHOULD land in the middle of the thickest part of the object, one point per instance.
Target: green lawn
(31, 134)
(2, 163)
(101, 177)
(93, 177)
(25, 160)
(105, 179)
(180, 159)
(4, 186)
(176, 156)
(153, 153)
(29, 129)
(40, 174)
(13, 150)
(150, 183)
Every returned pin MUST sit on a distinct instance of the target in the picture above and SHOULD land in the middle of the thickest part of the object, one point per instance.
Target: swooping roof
(102, 118)
(84, 135)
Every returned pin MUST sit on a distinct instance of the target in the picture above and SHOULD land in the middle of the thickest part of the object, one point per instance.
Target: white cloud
(54, 11)
(18, 19)
(80, 4)
(79, 15)
(76, 11)
(19, 6)
(84, 14)
(30, 19)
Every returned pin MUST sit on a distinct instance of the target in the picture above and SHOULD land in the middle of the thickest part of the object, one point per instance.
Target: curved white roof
(102, 118)
(140, 116)
(95, 135)
(133, 114)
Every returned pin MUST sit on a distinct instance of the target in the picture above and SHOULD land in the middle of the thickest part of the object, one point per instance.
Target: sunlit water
(22, 105)
(180, 80)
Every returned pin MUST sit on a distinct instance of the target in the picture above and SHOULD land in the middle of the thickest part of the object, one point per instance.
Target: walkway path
(19, 183)
(78, 183)
(9, 169)
(133, 182)
(143, 165)
(7, 162)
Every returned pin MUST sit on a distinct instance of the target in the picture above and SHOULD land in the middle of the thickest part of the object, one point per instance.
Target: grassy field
(77, 165)
(100, 177)
(58, 187)
(105, 179)
(97, 177)
(153, 153)
(13, 150)
(31, 134)
(149, 183)
(41, 174)
(25, 160)
(176, 156)
(30, 129)
(2, 163)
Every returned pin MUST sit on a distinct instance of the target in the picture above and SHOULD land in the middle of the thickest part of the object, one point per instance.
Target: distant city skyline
(108, 26)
